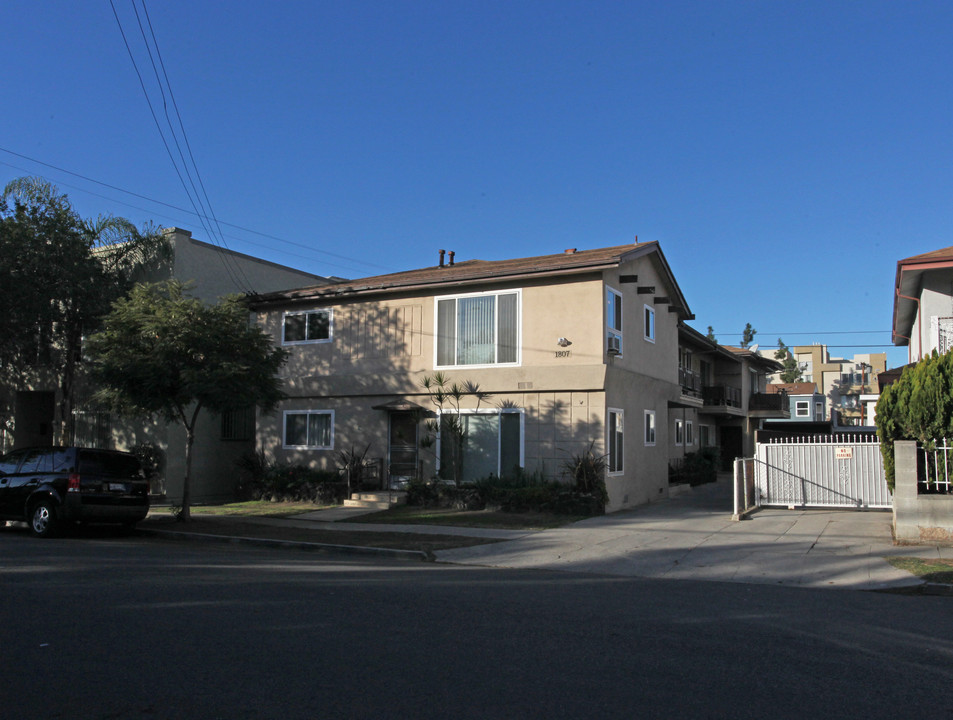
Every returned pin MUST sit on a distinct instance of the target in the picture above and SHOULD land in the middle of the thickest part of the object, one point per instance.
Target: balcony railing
(722, 396)
(690, 381)
(775, 402)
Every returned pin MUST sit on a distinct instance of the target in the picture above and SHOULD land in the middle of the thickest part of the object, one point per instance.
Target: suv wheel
(43, 519)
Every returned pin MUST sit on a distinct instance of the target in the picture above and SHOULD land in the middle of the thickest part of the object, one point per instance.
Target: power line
(354, 261)
(196, 200)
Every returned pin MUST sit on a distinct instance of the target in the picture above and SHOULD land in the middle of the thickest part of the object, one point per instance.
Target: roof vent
(442, 253)
(570, 251)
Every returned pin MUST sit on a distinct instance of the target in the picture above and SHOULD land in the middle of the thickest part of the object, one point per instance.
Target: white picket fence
(844, 471)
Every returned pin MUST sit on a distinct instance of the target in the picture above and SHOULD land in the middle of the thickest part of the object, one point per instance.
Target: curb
(326, 548)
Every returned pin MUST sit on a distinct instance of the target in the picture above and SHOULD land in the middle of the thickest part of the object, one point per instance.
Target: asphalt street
(105, 626)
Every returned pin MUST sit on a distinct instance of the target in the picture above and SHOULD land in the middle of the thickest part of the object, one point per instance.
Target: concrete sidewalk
(692, 536)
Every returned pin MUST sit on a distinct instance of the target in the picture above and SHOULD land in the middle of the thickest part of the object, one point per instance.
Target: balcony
(723, 398)
(774, 405)
(691, 384)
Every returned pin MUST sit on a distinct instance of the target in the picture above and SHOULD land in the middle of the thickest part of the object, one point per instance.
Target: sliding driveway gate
(825, 471)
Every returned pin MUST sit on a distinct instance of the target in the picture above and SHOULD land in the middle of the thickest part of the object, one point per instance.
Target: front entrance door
(402, 449)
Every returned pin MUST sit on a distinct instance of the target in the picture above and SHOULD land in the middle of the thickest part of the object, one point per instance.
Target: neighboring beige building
(850, 386)
(575, 349)
(211, 272)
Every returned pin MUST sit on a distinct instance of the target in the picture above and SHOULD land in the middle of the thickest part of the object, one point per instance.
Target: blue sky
(785, 155)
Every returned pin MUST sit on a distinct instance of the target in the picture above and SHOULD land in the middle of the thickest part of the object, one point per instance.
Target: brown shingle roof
(799, 388)
(473, 271)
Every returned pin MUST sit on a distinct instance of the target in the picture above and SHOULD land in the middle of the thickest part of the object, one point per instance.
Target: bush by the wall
(918, 406)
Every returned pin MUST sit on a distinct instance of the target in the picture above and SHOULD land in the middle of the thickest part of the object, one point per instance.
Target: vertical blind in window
(479, 330)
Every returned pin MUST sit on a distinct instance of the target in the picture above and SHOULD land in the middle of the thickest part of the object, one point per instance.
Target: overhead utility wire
(185, 137)
(181, 209)
(233, 268)
(193, 200)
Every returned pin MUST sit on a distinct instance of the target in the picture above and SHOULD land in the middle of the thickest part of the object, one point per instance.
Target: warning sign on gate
(844, 453)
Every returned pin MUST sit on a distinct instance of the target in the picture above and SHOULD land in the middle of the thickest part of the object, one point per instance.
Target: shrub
(918, 406)
(588, 473)
(696, 468)
(264, 479)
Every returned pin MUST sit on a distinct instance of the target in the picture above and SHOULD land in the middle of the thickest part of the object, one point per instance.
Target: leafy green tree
(711, 334)
(747, 337)
(59, 274)
(918, 406)
(165, 354)
(791, 372)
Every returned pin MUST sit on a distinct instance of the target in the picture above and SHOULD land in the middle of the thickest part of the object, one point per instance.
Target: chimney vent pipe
(450, 255)
(442, 253)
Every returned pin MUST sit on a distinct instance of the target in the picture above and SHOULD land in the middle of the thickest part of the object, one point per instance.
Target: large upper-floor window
(613, 321)
(309, 326)
(479, 329)
(309, 429)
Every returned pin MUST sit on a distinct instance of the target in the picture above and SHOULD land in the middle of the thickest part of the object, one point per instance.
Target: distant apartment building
(848, 385)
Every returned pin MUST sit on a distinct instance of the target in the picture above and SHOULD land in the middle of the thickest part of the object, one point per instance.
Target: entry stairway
(376, 500)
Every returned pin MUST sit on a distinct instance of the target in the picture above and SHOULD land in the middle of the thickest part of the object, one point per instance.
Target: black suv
(49, 486)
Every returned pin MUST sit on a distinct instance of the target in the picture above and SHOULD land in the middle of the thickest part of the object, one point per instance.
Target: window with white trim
(308, 326)
(492, 444)
(649, 323)
(613, 321)
(650, 427)
(679, 431)
(615, 441)
(818, 411)
(308, 430)
(802, 408)
(479, 329)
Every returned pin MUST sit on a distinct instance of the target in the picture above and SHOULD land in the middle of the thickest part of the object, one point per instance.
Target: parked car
(47, 487)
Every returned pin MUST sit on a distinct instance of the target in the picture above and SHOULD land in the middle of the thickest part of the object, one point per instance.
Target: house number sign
(563, 353)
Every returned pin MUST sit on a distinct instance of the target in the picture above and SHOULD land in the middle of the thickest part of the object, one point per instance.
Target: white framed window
(613, 321)
(307, 326)
(480, 329)
(679, 431)
(649, 427)
(649, 323)
(818, 411)
(492, 444)
(802, 408)
(689, 433)
(308, 430)
(615, 441)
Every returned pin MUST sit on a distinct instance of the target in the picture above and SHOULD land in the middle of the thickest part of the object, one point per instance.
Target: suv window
(107, 463)
(37, 461)
(9, 462)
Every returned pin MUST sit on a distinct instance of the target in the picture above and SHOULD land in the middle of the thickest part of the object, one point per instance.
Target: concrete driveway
(692, 536)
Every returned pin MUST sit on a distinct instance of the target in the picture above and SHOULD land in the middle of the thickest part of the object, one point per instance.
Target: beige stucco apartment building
(575, 349)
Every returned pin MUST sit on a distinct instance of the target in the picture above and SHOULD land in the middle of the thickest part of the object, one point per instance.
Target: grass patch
(260, 508)
(932, 571)
(414, 515)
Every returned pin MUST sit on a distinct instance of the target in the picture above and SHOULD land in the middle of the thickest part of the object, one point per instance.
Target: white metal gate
(824, 471)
